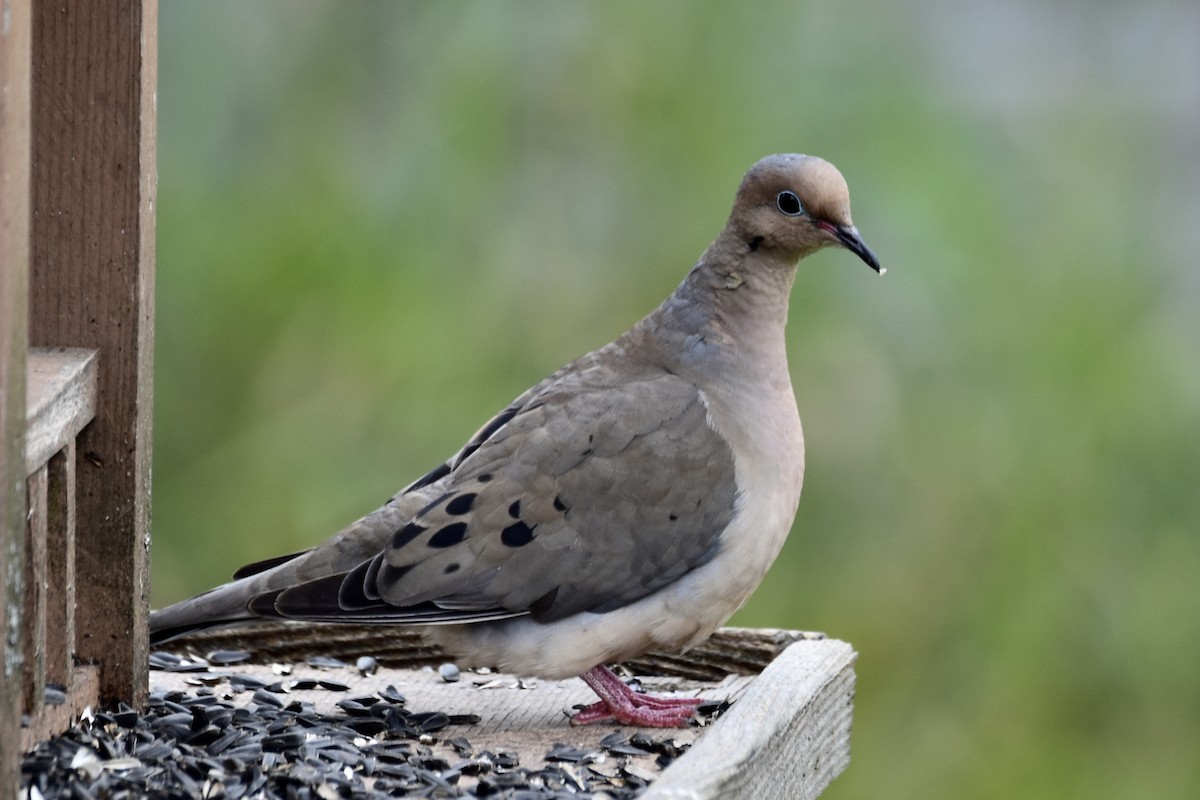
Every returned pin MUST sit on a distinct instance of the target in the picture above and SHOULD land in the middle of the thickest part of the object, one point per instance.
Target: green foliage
(379, 222)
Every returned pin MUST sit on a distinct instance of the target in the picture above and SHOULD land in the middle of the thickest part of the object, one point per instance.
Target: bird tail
(223, 606)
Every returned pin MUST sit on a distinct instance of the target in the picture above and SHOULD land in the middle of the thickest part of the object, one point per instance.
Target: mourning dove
(629, 502)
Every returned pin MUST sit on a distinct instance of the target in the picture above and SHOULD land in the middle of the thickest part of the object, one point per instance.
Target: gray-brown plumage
(630, 501)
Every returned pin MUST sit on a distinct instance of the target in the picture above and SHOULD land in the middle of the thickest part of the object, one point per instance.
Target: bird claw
(661, 712)
(619, 703)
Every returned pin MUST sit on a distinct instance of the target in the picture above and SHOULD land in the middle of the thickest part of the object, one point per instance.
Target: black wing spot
(451, 568)
(392, 574)
(543, 604)
(449, 536)
(517, 535)
(406, 534)
(672, 517)
(559, 505)
(484, 477)
(514, 509)
(461, 504)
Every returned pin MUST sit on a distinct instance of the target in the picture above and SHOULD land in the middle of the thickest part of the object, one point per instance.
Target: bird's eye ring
(789, 204)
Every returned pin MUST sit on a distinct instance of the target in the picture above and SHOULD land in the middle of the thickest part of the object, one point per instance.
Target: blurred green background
(379, 222)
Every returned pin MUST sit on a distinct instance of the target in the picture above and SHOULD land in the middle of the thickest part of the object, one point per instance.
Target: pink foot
(619, 703)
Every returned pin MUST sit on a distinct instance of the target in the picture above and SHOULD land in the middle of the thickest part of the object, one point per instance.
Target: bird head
(793, 205)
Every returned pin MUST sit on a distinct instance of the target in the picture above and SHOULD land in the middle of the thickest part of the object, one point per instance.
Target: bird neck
(729, 313)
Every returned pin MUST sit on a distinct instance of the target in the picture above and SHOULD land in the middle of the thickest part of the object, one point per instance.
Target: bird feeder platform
(778, 725)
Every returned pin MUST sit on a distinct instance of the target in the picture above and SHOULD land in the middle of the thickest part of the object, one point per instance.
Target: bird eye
(789, 204)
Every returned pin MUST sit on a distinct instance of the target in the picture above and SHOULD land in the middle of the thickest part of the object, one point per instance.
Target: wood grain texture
(14, 262)
(82, 691)
(91, 285)
(60, 398)
(33, 610)
(60, 566)
(787, 737)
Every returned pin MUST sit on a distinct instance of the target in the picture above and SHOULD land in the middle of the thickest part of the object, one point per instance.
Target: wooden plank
(33, 612)
(60, 566)
(14, 261)
(60, 398)
(787, 737)
(91, 285)
(82, 691)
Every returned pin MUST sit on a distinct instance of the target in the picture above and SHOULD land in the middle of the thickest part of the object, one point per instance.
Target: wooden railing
(77, 186)
(60, 401)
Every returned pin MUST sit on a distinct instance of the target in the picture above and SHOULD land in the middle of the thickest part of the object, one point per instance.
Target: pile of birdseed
(195, 743)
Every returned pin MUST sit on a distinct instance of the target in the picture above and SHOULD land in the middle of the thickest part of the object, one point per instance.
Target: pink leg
(619, 703)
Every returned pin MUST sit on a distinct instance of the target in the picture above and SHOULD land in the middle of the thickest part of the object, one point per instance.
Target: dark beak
(848, 236)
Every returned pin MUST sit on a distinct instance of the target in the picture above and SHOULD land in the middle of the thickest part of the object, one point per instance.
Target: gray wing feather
(589, 497)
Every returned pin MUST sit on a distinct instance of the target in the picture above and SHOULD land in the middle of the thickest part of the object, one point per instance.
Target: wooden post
(91, 284)
(14, 264)
(60, 563)
(34, 587)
